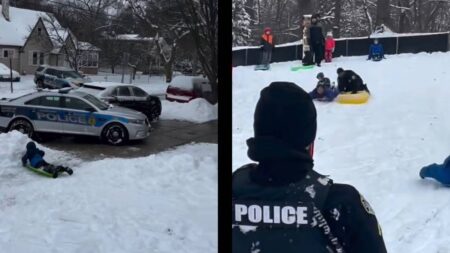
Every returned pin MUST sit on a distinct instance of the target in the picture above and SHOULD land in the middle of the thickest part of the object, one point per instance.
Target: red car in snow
(185, 88)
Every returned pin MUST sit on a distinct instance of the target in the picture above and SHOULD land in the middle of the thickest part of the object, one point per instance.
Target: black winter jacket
(316, 35)
(348, 214)
(349, 81)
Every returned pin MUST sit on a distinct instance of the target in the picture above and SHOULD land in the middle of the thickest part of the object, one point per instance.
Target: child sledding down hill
(36, 158)
(324, 91)
(439, 172)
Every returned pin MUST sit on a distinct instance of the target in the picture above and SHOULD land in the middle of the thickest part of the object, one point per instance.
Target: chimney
(5, 9)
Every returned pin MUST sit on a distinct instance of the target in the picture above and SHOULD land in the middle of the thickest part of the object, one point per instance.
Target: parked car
(125, 95)
(186, 88)
(74, 113)
(5, 74)
(58, 77)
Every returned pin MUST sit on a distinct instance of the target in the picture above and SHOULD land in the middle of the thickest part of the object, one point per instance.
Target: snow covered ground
(378, 147)
(197, 111)
(161, 203)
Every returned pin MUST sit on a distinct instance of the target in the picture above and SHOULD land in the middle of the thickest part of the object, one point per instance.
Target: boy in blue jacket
(439, 172)
(324, 93)
(376, 51)
(36, 158)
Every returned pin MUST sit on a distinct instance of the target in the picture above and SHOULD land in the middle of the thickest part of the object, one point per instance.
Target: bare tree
(383, 13)
(164, 20)
(201, 18)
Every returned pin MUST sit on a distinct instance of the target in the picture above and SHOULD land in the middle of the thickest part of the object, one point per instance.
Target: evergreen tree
(241, 23)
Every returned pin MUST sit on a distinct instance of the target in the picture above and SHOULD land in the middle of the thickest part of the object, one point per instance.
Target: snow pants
(328, 55)
(266, 57)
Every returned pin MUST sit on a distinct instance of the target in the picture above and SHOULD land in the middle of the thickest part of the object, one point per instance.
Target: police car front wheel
(115, 134)
(22, 126)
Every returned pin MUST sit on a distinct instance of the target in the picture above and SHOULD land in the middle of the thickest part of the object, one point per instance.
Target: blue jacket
(34, 155)
(329, 94)
(376, 49)
(439, 172)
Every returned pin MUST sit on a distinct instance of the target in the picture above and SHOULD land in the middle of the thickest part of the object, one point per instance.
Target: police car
(72, 112)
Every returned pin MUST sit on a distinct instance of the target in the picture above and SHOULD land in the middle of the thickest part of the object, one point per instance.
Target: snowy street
(378, 147)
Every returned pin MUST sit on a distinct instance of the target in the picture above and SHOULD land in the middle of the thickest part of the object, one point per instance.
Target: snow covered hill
(378, 147)
(161, 203)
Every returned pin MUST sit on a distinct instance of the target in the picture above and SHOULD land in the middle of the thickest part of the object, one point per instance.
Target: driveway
(166, 134)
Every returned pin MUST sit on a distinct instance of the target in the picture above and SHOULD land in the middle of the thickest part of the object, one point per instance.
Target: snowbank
(379, 147)
(161, 203)
(198, 110)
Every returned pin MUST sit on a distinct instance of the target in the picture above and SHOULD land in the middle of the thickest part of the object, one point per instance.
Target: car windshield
(71, 74)
(97, 102)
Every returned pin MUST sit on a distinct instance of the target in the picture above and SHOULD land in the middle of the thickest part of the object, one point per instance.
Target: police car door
(77, 114)
(45, 113)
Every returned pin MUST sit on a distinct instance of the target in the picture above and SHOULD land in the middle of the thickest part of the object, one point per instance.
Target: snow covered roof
(16, 31)
(133, 37)
(186, 82)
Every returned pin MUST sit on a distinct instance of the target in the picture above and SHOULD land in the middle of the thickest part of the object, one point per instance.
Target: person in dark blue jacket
(324, 93)
(35, 157)
(439, 172)
(376, 51)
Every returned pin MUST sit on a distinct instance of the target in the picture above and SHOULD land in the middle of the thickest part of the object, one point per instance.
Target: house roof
(16, 31)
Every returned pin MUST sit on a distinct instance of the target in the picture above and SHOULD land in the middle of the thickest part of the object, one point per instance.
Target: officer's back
(280, 204)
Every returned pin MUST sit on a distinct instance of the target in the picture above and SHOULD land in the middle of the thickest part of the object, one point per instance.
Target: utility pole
(10, 72)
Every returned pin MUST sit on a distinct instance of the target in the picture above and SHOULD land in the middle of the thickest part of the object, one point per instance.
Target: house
(32, 38)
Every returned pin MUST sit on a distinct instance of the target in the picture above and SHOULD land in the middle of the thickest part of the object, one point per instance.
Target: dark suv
(58, 77)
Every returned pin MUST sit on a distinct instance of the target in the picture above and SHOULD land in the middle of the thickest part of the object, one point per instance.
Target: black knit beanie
(285, 111)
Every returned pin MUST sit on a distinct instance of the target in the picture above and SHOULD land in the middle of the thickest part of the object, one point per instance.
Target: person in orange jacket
(267, 46)
(329, 47)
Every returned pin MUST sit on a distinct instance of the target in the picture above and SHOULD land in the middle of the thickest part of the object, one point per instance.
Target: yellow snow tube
(359, 98)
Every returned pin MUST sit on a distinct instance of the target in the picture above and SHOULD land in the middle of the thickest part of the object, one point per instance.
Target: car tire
(155, 110)
(23, 126)
(154, 114)
(40, 84)
(115, 134)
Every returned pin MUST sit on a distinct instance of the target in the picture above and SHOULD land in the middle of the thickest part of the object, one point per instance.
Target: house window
(39, 31)
(7, 53)
(37, 58)
(88, 59)
(41, 58)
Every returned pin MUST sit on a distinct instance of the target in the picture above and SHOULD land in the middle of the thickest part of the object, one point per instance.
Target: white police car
(72, 112)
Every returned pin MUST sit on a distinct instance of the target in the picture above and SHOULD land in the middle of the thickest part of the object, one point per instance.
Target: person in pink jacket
(329, 47)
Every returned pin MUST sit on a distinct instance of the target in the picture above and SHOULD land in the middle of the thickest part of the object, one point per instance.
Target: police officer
(349, 81)
(280, 204)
